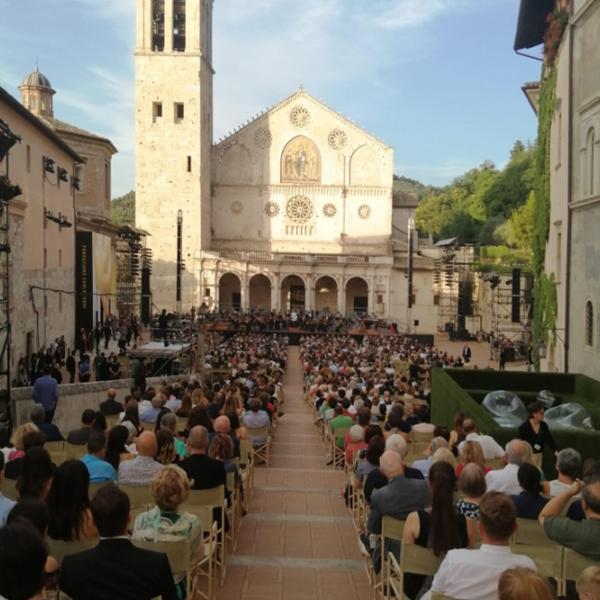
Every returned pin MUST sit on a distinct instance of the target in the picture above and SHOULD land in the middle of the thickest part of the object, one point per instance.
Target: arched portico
(260, 292)
(293, 293)
(357, 296)
(326, 294)
(230, 292)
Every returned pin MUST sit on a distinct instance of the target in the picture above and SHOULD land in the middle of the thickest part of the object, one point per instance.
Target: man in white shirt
(474, 574)
(490, 448)
(506, 480)
(568, 466)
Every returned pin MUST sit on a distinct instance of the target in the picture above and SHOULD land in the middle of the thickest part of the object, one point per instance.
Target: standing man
(97, 337)
(466, 354)
(107, 330)
(45, 392)
(71, 367)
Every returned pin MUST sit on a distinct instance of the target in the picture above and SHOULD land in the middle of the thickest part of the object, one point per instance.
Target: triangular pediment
(303, 99)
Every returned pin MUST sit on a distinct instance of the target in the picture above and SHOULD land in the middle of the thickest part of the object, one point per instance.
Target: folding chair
(246, 465)
(391, 529)
(75, 451)
(262, 450)
(338, 457)
(530, 539)
(494, 463)
(140, 496)
(420, 441)
(233, 511)
(214, 499)
(59, 548)
(573, 564)
(413, 559)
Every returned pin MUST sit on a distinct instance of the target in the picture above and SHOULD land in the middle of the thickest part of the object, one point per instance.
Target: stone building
(95, 231)
(42, 233)
(293, 210)
(573, 242)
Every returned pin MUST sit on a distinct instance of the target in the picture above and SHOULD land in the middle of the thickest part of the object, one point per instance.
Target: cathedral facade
(293, 210)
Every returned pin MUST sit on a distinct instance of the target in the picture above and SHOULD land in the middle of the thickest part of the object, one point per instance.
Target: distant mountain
(122, 209)
(406, 185)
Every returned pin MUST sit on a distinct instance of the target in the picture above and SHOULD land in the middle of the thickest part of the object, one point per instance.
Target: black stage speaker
(516, 296)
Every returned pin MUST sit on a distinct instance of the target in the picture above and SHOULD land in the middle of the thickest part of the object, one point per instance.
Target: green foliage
(122, 209)
(544, 319)
(412, 186)
(520, 226)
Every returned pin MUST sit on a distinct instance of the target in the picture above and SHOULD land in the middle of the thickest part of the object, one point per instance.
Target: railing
(293, 258)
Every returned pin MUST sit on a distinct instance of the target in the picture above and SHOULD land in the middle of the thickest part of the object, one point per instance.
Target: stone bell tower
(174, 133)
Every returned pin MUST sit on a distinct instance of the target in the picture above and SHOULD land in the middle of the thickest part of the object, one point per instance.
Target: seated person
(581, 536)
(141, 469)
(530, 501)
(354, 443)
(471, 453)
(16, 440)
(588, 584)
(474, 574)
(523, 584)
(79, 437)
(6, 504)
(256, 419)
(115, 568)
(505, 480)
(170, 487)
(36, 475)
(568, 467)
(471, 484)
(50, 430)
(110, 406)
(23, 555)
(33, 439)
(424, 465)
(99, 470)
(150, 409)
(441, 527)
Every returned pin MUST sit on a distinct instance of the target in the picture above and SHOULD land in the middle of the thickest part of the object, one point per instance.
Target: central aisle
(297, 542)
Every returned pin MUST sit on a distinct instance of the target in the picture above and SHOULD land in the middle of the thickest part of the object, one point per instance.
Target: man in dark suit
(398, 499)
(80, 436)
(204, 471)
(115, 568)
(110, 406)
(50, 430)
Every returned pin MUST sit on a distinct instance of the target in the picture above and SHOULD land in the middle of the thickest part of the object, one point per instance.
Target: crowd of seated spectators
(171, 439)
(453, 496)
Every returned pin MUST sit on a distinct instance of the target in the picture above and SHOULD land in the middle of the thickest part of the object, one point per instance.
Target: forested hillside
(123, 209)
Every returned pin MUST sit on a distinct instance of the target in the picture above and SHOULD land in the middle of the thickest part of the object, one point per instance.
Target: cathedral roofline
(299, 93)
(68, 129)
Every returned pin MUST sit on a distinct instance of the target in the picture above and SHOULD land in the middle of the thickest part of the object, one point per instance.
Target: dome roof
(37, 79)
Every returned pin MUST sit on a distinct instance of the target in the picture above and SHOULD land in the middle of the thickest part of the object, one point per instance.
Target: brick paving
(297, 542)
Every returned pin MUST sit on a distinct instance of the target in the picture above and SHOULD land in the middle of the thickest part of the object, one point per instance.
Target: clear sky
(436, 79)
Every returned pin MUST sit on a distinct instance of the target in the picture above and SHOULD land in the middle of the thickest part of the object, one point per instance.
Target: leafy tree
(520, 225)
(123, 209)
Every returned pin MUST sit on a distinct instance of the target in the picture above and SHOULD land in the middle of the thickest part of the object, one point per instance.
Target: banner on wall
(96, 279)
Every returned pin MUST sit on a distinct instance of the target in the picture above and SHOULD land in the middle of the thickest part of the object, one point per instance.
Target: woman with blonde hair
(199, 399)
(444, 455)
(471, 453)
(232, 405)
(170, 488)
(523, 584)
(18, 450)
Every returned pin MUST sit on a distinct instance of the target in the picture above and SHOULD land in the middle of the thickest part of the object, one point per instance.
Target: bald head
(146, 444)
(396, 443)
(391, 464)
(518, 452)
(111, 393)
(198, 439)
(222, 424)
(437, 443)
(159, 400)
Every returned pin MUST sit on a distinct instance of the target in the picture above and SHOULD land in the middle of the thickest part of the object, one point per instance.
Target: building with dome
(293, 210)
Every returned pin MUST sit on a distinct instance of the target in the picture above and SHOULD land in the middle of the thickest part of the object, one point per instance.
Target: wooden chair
(233, 511)
(262, 450)
(338, 456)
(139, 495)
(75, 451)
(59, 548)
(391, 529)
(419, 441)
(573, 564)
(213, 499)
(57, 451)
(530, 539)
(9, 488)
(413, 559)
(495, 463)
(246, 465)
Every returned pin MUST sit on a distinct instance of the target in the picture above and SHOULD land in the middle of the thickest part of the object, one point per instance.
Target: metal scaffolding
(8, 191)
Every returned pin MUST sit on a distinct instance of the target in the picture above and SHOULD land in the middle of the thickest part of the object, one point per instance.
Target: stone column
(371, 284)
(275, 293)
(341, 297)
(245, 292)
(217, 299)
(168, 25)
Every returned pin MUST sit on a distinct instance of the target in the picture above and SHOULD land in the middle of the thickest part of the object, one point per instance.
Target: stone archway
(260, 292)
(357, 296)
(326, 294)
(293, 294)
(230, 292)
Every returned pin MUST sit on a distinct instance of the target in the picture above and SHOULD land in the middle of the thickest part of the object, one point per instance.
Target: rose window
(299, 209)
(364, 211)
(300, 117)
(329, 210)
(271, 209)
(263, 138)
(337, 139)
